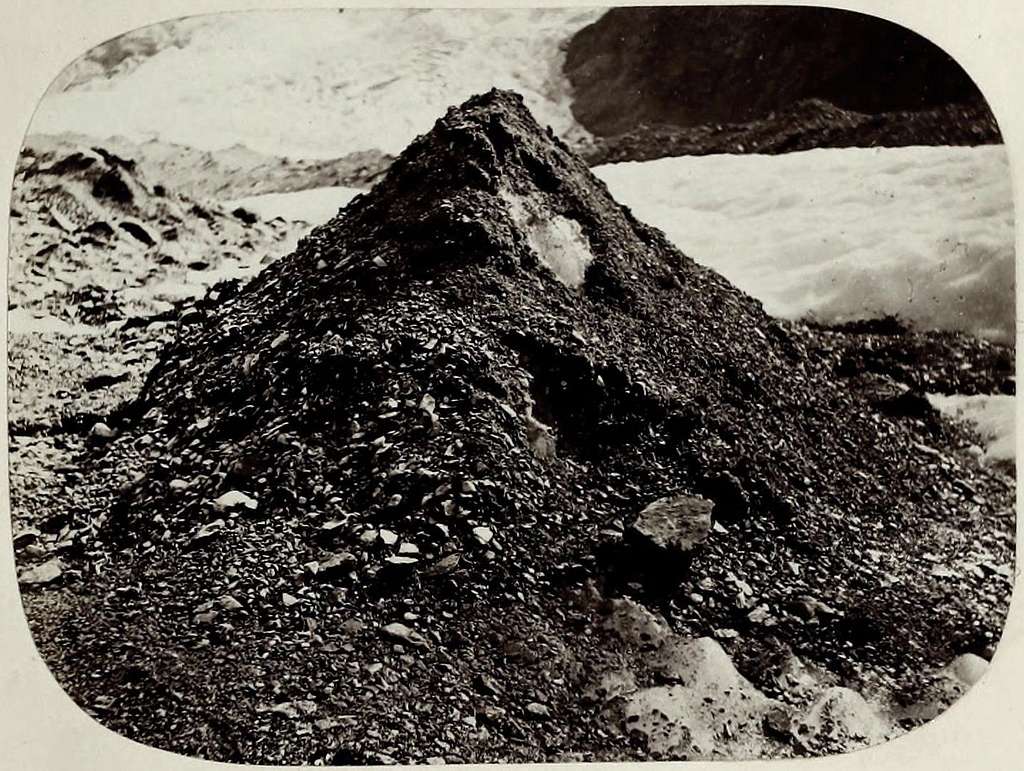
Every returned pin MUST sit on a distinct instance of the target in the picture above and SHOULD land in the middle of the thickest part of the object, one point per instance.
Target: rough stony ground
(103, 260)
(802, 126)
(102, 264)
(235, 172)
(377, 504)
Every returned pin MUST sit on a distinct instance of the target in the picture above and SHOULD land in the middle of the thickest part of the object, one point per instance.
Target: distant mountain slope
(234, 172)
(688, 66)
(122, 54)
(316, 83)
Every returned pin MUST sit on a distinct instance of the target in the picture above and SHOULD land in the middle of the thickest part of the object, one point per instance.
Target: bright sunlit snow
(321, 83)
(994, 417)
(315, 206)
(923, 232)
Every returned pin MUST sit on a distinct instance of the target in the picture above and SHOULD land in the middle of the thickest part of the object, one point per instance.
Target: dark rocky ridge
(414, 375)
(803, 126)
(689, 66)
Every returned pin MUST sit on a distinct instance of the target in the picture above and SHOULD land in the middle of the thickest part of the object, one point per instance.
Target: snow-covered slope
(994, 417)
(313, 206)
(320, 83)
(923, 232)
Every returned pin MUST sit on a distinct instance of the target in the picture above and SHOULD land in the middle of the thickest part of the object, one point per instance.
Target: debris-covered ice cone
(458, 395)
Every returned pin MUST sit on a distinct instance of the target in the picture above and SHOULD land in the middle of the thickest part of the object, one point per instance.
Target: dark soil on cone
(413, 420)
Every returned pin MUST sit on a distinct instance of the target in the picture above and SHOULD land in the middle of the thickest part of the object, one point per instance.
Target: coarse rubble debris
(374, 505)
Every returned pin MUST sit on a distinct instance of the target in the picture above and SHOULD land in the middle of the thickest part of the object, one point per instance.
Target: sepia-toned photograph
(438, 386)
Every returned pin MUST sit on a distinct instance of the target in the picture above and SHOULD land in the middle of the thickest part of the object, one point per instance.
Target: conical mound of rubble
(479, 388)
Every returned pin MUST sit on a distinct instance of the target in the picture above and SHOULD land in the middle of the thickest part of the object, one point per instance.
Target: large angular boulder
(673, 525)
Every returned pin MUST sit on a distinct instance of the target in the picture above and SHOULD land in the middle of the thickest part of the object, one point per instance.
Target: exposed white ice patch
(23, 322)
(923, 232)
(559, 242)
(319, 83)
(314, 206)
(993, 416)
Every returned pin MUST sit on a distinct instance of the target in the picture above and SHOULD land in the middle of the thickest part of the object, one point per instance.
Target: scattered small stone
(401, 561)
(288, 599)
(227, 602)
(105, 380)
(540, 439)
(428, 405)
(332, 526)
(246, 216)
(483, 535)
(352, 626)
(444, 565)
(968, 668)
(43, 574)
(206, 533)
(809, 608)
(25, 536)
(137, 231)
(778, 722)
(388, 538)
(537, 711)
(191, 316)
(285, 708)
(234, 499)
(730, 499)
(403, 634)
(101, 432)
(759, 615)
(337, 565)
(487, 684)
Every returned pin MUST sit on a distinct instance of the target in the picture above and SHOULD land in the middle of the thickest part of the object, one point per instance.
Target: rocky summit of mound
(481, 469)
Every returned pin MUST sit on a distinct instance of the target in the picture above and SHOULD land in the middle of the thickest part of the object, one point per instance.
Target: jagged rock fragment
(675, 524)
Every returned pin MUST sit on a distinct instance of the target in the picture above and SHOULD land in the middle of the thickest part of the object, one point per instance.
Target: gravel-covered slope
(366, 506)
